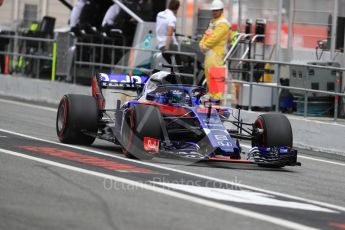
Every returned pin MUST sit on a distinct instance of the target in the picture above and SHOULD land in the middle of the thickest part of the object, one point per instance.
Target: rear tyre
(140, 121)
(76, 116)
(275, 131)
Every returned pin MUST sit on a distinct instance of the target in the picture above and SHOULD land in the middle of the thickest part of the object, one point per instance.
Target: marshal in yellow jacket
(214, 43)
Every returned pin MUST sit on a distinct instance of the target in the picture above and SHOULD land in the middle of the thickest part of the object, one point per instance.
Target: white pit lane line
(243, 196)
(330, 206)
(204, 202)
(321, 160)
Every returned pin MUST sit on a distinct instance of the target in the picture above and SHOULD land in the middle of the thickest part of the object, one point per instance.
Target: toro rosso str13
(150, 116)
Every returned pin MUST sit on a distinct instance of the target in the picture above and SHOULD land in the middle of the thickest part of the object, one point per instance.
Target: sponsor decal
(221, 137)
(108, 79)
(104, 77)
(224, 144)
(223, 140)
(151, 144)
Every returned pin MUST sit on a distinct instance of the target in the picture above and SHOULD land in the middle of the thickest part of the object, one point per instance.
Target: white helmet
(217, 5)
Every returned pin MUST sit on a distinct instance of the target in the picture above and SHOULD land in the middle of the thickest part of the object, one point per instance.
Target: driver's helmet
(176, 97)
(204, 99)
(155, 80)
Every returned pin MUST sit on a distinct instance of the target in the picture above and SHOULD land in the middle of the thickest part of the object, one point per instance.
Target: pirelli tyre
(272, 130)
(77, 119)
(141, 132)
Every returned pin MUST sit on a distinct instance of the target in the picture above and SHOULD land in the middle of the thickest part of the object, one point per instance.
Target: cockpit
(166, 88)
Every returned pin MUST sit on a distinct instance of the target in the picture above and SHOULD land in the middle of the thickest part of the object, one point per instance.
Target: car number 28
(223, 140)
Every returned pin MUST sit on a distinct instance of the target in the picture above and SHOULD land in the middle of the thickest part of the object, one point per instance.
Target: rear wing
(122, 81)
(107, 89)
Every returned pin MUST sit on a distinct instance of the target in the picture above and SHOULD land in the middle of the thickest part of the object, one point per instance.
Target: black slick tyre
(77, 119)
(275, 129)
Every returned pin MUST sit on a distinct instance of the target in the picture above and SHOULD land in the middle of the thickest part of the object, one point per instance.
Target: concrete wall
(38, 90)
(325, 136)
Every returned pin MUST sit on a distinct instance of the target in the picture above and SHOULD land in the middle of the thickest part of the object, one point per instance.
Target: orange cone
(216, 86)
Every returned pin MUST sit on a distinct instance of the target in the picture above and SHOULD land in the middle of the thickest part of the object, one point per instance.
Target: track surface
(46, 185)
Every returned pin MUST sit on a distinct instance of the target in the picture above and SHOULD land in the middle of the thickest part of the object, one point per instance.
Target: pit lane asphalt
(39, 196)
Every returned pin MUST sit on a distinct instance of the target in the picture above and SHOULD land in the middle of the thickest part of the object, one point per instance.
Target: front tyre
(77, 119)
(272, 130)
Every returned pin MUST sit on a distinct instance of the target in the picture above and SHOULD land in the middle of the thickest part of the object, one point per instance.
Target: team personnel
(165, 30)
(214, 41)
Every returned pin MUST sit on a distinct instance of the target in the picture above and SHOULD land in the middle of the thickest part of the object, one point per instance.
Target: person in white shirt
(165, 30)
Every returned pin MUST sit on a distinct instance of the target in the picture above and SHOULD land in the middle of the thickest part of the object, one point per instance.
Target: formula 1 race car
(158, 115)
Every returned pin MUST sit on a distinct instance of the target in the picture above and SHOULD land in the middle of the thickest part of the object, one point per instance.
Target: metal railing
(251, 44)
(124, 63)
(31, 48)
(235, 46)
(18, 48)
(49, 54)
(306, 91)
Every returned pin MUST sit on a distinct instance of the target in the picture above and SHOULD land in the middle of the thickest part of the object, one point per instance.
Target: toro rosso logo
(151, 144)
(122, 78)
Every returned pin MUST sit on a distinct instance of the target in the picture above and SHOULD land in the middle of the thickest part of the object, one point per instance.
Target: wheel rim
(62, 118)
(260, 139)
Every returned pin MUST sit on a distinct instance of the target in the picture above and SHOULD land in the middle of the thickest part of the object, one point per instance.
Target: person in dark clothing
(88, 13)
